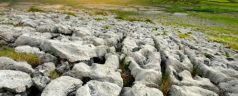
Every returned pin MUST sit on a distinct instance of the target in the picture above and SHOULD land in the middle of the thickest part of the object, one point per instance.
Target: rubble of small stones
(88, 58)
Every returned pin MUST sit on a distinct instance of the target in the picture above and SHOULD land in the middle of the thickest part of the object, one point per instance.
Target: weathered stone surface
(230, 86)
(61, 86)
(28, 49)
(46, 68)
(97, 88)
(46, 28)
(40, 81)
(145, 66)
(81, 31)
(33, 39)
(28, 22)
(14, 81)
(98, 41)
(105, 72)
(63, 67)
(64, 29)
(187, 80)
(45, 58)
(190, 91)
(70, 51)
(142, 90)
(79, 45)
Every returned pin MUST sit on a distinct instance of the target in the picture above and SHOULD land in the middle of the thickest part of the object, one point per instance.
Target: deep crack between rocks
(34, 91)
(128, 79)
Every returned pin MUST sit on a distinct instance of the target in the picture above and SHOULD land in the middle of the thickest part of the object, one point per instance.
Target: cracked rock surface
(126, 59)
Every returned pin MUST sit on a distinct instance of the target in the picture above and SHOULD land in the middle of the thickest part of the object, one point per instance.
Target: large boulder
(71, 51)
(97, 88)
(9, 64)
(62, 86)
(14, 81)
(101, 72)
(33, 39)
(145, 67)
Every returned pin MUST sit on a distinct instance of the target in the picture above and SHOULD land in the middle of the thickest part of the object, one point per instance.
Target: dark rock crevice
(119, 44)
(128, 79)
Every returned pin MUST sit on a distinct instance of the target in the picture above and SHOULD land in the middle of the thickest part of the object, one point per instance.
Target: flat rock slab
(71, 51)
(61, 86)
(190, 91)
(139, 89)
(14, 81)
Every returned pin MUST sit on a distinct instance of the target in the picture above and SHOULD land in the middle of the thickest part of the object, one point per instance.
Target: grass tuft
(54, 74)
(175, 8)
(34, 9)
(32, 59)
(101, 12)
(185, 36)
(1, 45)
(107, 27)
(128, 79)
(1, 13)
(209, 56)
(100, 19)
(196, 70)
(69, 13)
(166, 83)
(129, 18)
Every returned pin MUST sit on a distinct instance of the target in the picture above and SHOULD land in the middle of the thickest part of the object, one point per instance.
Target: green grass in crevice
(124, 13)
(54, 74)
(69, 13)
(100, 19)
(166, 83)
(32, 59)
(185, 36)
(130, 18)
(196, 70)
(34, 9)
(107, 26)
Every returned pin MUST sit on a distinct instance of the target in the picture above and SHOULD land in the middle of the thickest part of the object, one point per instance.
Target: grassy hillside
(218, 12)
(214, 6)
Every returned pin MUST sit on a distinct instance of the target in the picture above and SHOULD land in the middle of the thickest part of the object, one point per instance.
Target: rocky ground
(111, 57)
